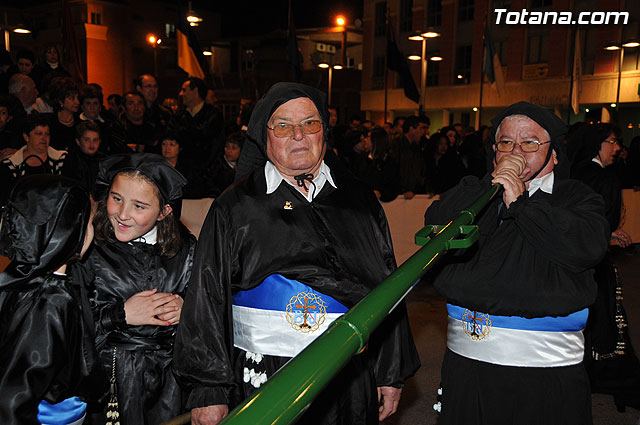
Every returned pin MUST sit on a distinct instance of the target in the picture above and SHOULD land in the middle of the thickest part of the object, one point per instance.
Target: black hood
(556, 128)
(254, 151)
(43, 227)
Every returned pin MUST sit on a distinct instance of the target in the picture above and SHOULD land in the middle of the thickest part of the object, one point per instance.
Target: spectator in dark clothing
(37, 157)
(5, 73)
(91, 105)
(201, 123)
(84, 155)
(9, 141)
(355, 151)
(49, 68)
(132, 130)
(471, 152)
(609, 358)
(633, 163)
(437, 179)
(381, 173)
(156, 115)
(408, 152)
(62, 123)
(223, 170)
(25, 60)
(171, 149)
(116, 105)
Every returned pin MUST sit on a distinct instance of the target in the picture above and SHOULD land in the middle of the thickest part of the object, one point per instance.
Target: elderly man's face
(299, 153)
(519, 128)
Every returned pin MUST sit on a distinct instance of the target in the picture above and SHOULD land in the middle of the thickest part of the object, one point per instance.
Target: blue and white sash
(517, 341)
(280, 317)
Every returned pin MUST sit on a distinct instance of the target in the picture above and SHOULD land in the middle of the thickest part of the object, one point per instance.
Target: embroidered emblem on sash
(476, 325)
(306, 312)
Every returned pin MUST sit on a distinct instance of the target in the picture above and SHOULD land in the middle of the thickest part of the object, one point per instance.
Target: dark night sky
(258, 17)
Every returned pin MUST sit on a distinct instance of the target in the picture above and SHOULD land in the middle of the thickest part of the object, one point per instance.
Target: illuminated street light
(22, 30)
(325, 65)
(435, 58)
(631, 44)
(207, 53)
(475, 109)
(422, 36)
(152, 39)
(341, 21)
(192, 17)
(460, 77)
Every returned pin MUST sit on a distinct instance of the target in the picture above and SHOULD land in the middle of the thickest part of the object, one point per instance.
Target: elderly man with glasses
(283, 252)
(517, 300)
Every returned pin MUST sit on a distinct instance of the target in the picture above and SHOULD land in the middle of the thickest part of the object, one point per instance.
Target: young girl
(45, 317)
(141, 263)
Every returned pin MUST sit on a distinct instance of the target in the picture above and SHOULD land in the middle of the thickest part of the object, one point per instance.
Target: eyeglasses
(526, 146)
(287, 130)
(613, 141)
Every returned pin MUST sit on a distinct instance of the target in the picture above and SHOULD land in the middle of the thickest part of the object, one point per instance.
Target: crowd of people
(111, 311)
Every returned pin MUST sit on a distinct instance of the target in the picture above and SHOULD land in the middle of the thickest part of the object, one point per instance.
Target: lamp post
(620, 48)
(341, 21)
(154, 41)
(423, 36)
(325, 65)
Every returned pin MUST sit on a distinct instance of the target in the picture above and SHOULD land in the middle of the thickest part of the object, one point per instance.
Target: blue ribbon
(275, 292)
(571, 323)
(63, 413)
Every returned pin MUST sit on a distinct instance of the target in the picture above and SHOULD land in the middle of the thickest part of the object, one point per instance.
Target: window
(434, 13)
(170, 31)
(537, 48)
(96, 18)
(377, 81)
(406, 15)
(465, 10)
(380, 27)
(462, 71)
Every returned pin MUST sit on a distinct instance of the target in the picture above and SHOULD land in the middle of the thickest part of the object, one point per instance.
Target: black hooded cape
(533, 259)
(338, 244)
(45, 321)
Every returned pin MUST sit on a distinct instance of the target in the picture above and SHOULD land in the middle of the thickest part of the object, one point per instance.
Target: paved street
(428, 321)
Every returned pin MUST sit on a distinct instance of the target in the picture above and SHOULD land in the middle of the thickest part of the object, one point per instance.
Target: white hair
(519, 117)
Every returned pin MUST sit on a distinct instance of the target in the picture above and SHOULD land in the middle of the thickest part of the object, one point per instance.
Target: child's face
(89, 143)
(4, 116)
(133, 207)
(231, 151)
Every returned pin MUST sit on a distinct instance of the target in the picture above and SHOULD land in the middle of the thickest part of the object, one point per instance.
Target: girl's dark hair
(380, 145)
(169, 240)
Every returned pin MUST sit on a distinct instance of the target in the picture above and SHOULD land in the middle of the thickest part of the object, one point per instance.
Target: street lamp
(325, 65)
(422, 36)
(154, 41)
(620, 47)
(341, 21)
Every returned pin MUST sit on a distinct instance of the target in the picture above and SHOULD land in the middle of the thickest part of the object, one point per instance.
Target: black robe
(538, 262)
(338, 244)
(147, 391)
(609, 356)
